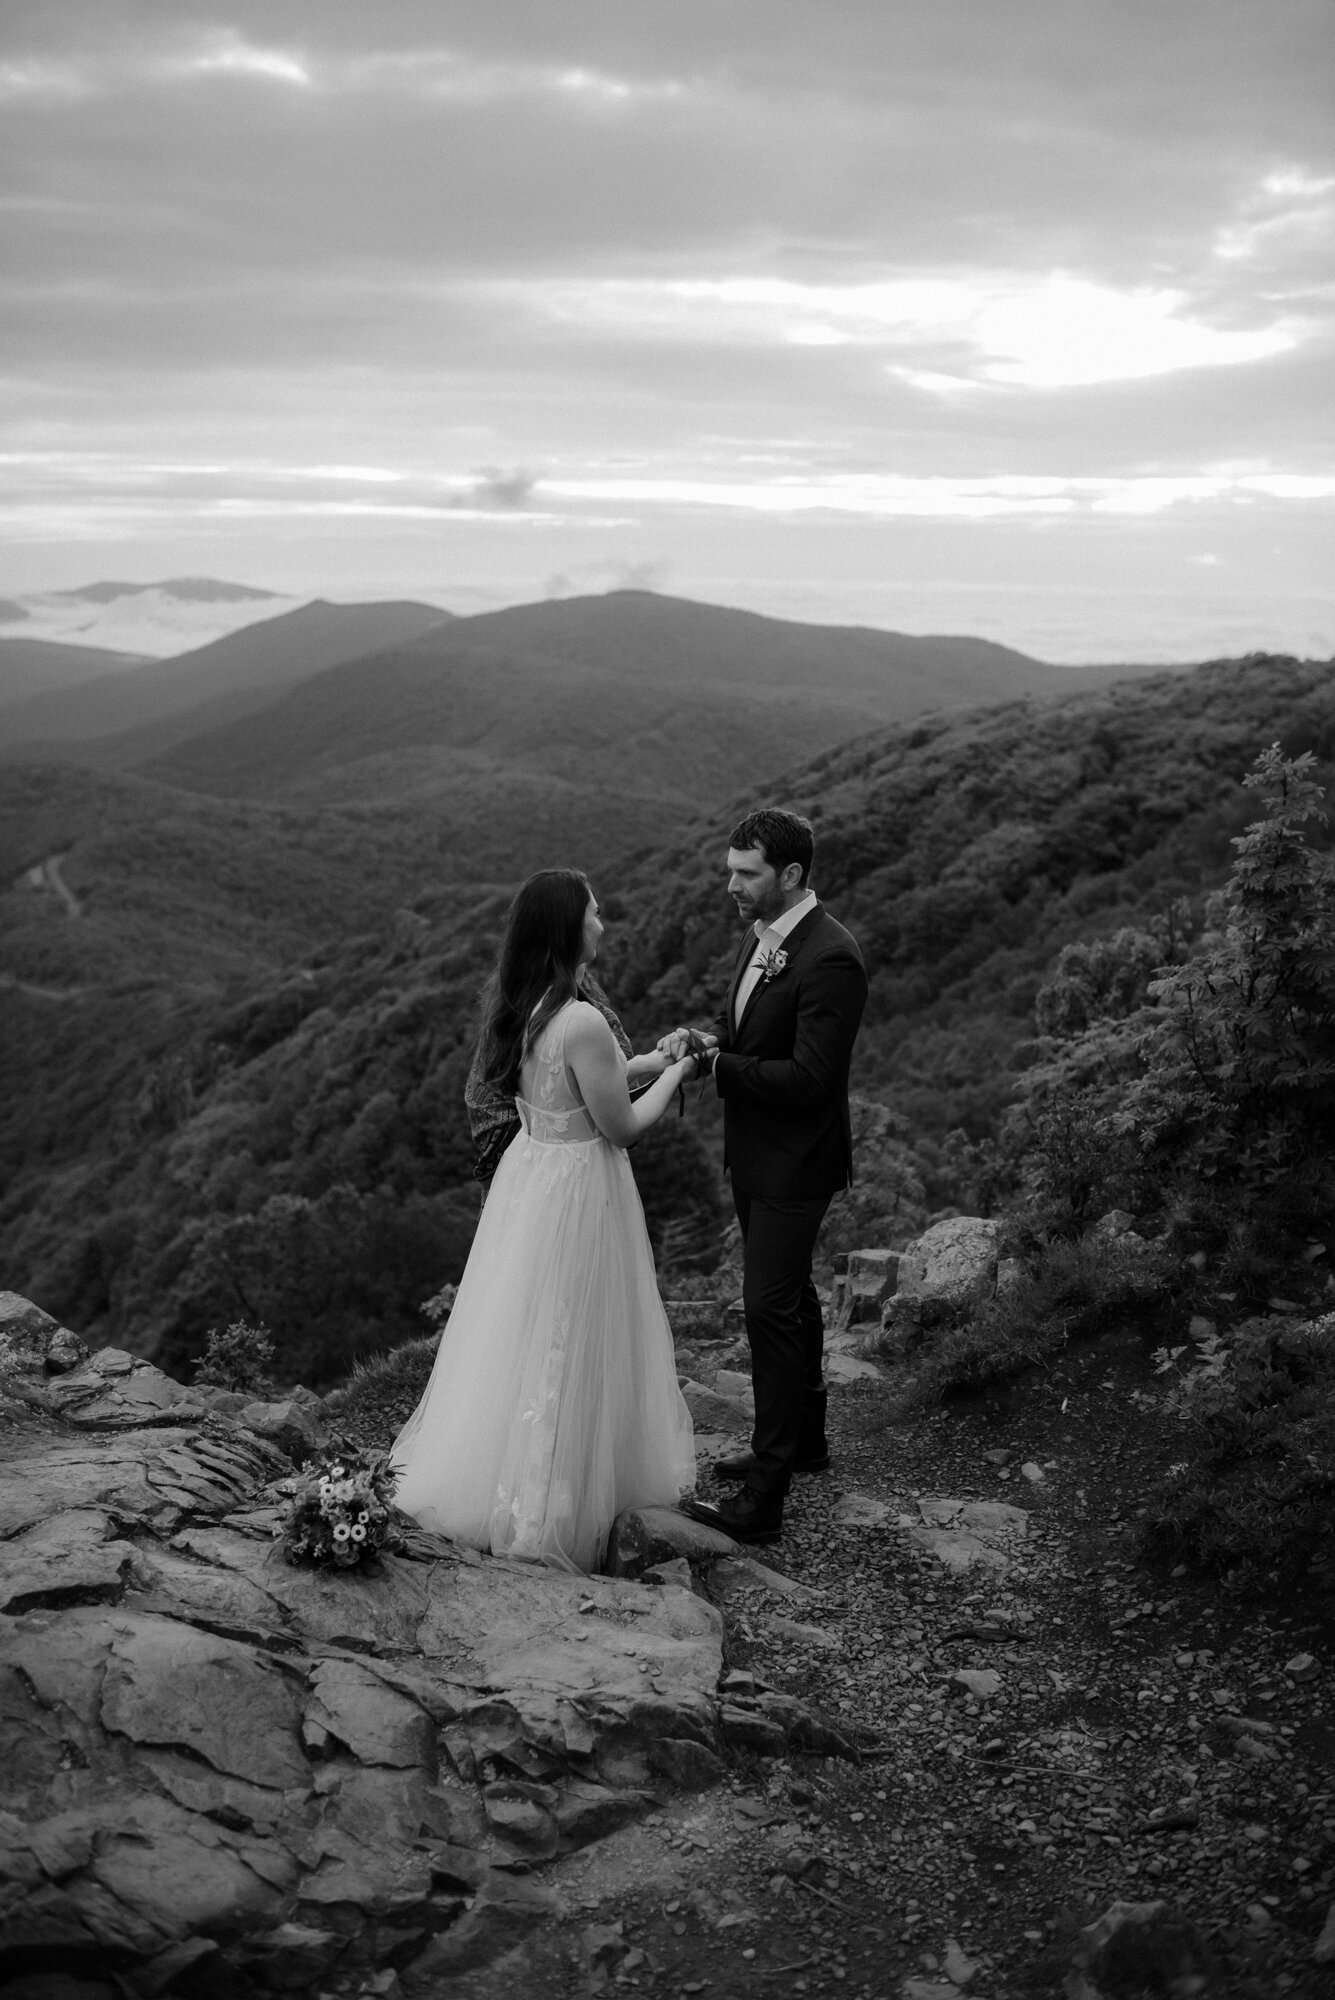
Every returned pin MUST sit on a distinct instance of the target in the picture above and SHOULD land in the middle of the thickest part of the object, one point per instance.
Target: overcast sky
(1004, 316)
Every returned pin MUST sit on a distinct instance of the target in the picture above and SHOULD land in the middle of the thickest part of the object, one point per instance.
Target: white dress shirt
(768, 938)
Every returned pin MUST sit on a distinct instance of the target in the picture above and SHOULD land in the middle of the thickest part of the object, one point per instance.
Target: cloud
(229, 56)
(1038, 330)
(755, 270)
(495, 492)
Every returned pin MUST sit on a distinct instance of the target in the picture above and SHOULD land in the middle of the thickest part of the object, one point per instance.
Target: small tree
(238, 1357)
(1070, 1125)
(1236, 1105)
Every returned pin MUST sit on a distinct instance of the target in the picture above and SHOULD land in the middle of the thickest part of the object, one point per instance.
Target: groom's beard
(761, 912)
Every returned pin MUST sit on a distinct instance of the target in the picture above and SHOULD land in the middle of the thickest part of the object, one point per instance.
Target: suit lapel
(744, 956)
(793, 945)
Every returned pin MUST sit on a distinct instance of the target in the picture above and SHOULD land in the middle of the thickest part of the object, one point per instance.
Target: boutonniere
(772, 964)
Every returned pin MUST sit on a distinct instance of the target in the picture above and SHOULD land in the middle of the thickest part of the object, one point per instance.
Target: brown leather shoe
(743, 1463)
(746, 1516)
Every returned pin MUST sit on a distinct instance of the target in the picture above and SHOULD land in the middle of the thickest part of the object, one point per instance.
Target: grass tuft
(379, 1396)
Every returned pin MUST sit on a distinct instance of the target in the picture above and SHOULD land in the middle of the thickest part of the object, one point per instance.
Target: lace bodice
(549, 1102)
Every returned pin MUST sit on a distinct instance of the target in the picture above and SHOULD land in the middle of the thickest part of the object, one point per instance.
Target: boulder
(713, 1412)
(735, 1384)
(952, 1263)
(982, 1683)
(32, 1343)
(644, 1537)
(1139, 1948)
(293, 1425)
(868, 1280)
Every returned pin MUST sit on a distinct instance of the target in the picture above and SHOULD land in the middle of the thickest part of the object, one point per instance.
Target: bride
(553, 1403)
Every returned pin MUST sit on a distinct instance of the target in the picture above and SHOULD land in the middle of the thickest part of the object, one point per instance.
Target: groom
(780, 1063)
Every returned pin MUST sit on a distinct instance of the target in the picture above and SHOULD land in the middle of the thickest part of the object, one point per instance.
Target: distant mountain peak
(185, 589)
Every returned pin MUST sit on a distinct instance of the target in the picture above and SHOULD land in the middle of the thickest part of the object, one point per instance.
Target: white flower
(358, 1533)
(341, 1531)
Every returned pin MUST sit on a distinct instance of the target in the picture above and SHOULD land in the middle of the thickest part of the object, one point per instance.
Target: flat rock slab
(114, 1389)
(713, 1412)
(72, 1558)
(842, 1367)
(167, 1683)
(519, 1627)
(151, 1479)
(968, 1534)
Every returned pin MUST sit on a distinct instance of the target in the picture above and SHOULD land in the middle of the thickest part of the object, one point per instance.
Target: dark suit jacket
(783, 1076)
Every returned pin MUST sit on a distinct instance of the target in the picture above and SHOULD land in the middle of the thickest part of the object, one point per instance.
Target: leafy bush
(1201, 1087)
(1253, 1495)
(1235, 1106)
(238, 1357)
(1075, 1288)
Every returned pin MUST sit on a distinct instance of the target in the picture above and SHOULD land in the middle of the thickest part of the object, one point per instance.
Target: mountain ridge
(246, 667)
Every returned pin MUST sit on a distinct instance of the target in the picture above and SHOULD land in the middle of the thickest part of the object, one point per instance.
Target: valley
(235, 1083)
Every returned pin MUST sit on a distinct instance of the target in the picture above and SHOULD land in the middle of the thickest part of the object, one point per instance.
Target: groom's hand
(688, 1042)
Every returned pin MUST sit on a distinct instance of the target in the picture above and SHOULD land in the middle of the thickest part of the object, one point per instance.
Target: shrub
(1204, 1089)
(1253, 1495)
(1074, 1288)
(238, 1357)
(1234, 1109)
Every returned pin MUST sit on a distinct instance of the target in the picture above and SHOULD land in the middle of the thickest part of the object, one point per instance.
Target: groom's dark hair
(782, 838)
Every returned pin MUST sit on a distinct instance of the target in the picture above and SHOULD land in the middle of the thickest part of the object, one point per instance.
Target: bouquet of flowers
(342, 1510)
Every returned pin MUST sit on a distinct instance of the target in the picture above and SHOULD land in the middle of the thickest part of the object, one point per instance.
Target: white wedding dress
(553, 1403)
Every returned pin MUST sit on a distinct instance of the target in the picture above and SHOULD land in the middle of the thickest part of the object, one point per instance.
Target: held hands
(687, 1043)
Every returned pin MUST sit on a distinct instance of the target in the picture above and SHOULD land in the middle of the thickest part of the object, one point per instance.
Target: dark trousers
(786, 1332)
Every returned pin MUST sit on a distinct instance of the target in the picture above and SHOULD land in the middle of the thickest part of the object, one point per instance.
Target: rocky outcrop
(952, 1263)
(32, 1343)
(221, 1768)
(868, 1279)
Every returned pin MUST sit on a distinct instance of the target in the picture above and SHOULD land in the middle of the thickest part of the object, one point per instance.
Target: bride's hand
(643, 1069)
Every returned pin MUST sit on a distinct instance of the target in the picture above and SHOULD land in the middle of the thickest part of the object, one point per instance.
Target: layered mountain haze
(630, 693)
(124, 717)
(153, 620)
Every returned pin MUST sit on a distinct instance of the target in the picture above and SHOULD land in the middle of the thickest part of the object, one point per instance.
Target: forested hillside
(965, 851)
(282, 1136)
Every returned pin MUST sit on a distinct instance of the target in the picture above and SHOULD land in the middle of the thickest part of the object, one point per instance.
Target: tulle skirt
(553, 1403)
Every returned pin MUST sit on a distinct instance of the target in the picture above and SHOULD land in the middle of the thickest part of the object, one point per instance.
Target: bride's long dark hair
(536, 970)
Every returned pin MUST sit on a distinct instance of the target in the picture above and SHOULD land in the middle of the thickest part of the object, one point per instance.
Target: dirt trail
(47, 876)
